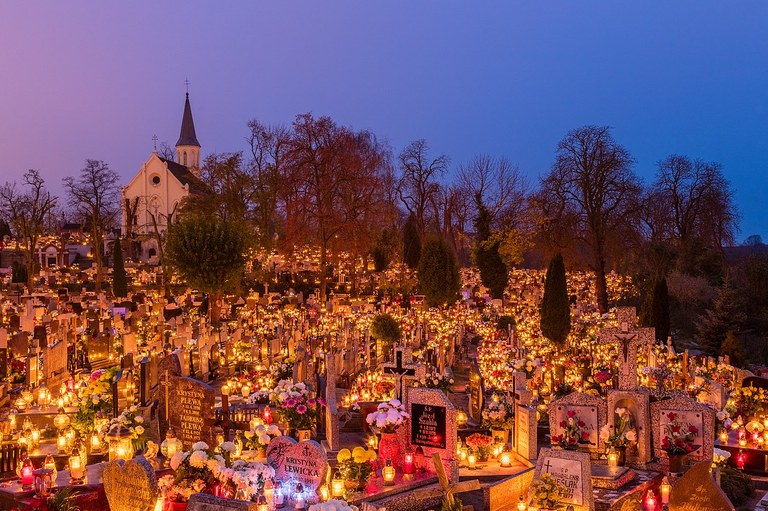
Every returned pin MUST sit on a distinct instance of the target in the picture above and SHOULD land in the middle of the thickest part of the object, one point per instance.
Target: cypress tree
(119, 281)
(493, 271)
(660, 309)
(555, 310)
(438, 273)
(411, 243)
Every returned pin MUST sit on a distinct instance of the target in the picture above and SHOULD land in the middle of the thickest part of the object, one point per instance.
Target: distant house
(153, 196)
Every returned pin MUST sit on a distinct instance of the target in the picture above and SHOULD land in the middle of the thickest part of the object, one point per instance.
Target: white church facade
(151, 200)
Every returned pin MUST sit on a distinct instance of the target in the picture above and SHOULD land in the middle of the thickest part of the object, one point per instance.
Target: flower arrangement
(572, 434)
(294, 406)
(480, 444)
(499, 414)
(602, 376)
(282, 371)
(720, 457)
(678, 436)
(135, 423)
(525, 365)
(388, 416)
(259, 437)
(179, 491)
(434, 380)
(547, 493)
(245, 480)
(193, 470)
(623, 434)
(369, 386)
(96, 397)
(356, 466)
(748, 402)
(332, 505)
(17, 370)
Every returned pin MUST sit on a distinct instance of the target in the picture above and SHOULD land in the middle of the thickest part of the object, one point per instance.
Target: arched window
(184, 157)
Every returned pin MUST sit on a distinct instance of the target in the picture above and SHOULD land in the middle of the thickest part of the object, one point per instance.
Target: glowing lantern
(505, 459)
(521, 505)
(43, 482)
(269, 489)
(461, 418)
(471, 460)
(337, 485)
(408, 464)
(665, 489)
(50, 464)
(613, 458)
(650, 500)
(27, 474)
(324, 493)
(61, 421)
(261, 504)
(120, 446)
(388, 473)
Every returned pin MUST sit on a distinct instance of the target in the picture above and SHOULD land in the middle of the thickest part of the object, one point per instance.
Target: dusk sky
(97, 79)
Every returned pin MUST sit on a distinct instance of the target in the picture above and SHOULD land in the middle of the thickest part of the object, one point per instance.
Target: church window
(155, 180)
(185, 158)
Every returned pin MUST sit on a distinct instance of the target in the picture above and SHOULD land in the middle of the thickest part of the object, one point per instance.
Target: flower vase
(622, 452)
(303, 434)
(676, 463)
(389, 449)
(500, 436)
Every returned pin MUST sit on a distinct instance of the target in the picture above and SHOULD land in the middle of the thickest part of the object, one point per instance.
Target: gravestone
(403, 370)
(305, 461)
(696, 490)
(432, 426)
(19, 344)
(571, 470)
(190, 410)
(205, 502)
(637, 404)
(592, 410)
(169, 363)
(130, 485)
(686, 411)
(713, 394)
(627, 338)
(3, 354)
(476, 393)
(99, 347)
(277, 448)
(526, 432)
(55, 362)
(332, 433)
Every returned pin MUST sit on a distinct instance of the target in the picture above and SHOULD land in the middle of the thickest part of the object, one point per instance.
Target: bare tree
(591, 186)
(131, 211)
(418, 186)
(94, 193)
(27, 212)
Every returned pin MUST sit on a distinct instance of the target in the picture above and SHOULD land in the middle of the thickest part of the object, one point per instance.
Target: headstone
(572, 471)
(432, 426)
(403, 371)
(332, 430)
(205, 502)
(696, 490)
(712, 394)
(130, 485)
(55, 361)
(306, 462)
(685, 411)
(526, 433)
(627, 338)
(190, 410)
(98, 347)
(277, 448)
(589, 409)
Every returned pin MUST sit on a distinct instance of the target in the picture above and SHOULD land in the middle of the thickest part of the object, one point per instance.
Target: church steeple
(187, 147)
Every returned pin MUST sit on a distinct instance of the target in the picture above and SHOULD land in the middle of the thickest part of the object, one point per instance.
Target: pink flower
(301, 409)
(311, 402)
(289, 403)
(321, 401)
(571, 413)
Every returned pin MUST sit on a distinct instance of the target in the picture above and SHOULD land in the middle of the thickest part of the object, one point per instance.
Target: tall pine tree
(555, 309)
(119, 281)
(493, 271)
(438, 273)
(411, 243)
(660, 309)
(726, 314)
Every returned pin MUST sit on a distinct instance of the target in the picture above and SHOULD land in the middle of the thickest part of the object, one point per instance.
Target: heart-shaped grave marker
(306, 462)
(130, 485)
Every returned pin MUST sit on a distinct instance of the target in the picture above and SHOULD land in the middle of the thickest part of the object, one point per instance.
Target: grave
(696, 490)
(637, 404)
(432, 426)
(571, 470)
(305, 461)
(526, 432)
(187, 406)
(685, 410)
(403, 371)
(205, 502)
(592, 410)
(627, 338)
(130, 485)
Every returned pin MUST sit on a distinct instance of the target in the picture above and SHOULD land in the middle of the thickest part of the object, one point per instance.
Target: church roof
(185, 176)
(187, 135)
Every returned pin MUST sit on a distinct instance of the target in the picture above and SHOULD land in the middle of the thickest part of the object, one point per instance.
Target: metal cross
(186, 83)
(154, 141)
(398, 371)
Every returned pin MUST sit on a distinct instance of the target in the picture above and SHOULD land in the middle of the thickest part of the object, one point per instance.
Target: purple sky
(97, 79)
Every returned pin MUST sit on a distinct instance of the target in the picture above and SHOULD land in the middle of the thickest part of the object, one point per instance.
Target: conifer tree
(493, 271)
(555, 309)
(411, 243)
(438, 273)
(660, 309)
(119, 281)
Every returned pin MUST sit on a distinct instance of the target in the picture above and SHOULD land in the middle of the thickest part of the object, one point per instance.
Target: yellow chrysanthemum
(372, 454)
(343, 455)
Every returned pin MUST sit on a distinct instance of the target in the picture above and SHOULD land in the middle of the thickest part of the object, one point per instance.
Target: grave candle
(76, 469)
(650, 500)
(261, 504)
(665, 488)
(50, 464)
(27, 474)
(521, 505)
(613, 458)
(506, 459)
(408, 465)
(337, 485)
(324, 493)
(724, 436)
(388, 473)
(471, 460)
(269, 490)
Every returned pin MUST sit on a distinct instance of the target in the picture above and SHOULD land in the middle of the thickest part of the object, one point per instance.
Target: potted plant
(480, 445)
(355, 466)
(573, 432)
(295, 408)
(678, 440)
(623, 434)
(387, 418)
(498, 416)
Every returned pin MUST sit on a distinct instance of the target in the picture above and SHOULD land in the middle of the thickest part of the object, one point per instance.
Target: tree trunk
(323, 265)
(30, 260)
(97, 258)
(601, 288)
(214, 308)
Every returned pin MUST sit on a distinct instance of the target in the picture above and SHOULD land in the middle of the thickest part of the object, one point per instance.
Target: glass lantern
(120, 445)
(76, 467)
(170, 446)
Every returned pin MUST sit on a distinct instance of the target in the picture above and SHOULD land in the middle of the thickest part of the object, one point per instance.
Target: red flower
(693, 429)
(562, 424)
(674, 429)
(672, 416)
(571, 413)
(582, 424)
(584, 435)
(572, 440)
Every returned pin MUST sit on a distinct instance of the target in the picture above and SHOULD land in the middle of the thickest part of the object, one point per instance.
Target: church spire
(187, 147)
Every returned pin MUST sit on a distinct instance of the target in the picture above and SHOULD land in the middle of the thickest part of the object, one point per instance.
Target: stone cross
(403, 370)
(627, 339)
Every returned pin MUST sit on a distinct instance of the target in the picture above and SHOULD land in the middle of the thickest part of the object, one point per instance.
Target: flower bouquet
(573, 433)
(678, 436)
(135, 424)
(388, 416)
(258, 438)
(243, 480)
(356, 466)
(624, 434)
(434, 380)
(95, 397)
(547, 493)
(499, 414)
(195, 469)
(294, 406)
(480, 444)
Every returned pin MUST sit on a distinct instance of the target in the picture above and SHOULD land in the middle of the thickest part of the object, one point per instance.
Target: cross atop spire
(154, 141)
(186, 84)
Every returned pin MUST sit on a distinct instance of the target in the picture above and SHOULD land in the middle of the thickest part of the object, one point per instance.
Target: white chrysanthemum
(139, 430)
(264, 439)
(228, 446)
(139, 419)
(198, 459)
(200, 446)
(177, 458)
(273, 430)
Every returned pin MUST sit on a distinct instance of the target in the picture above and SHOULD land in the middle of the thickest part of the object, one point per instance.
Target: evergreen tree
(733, 347)
(493, 271)
(438, 273)
(119, 281)
(555, 309)
(411, 243)
(660, 309)
(725, 314)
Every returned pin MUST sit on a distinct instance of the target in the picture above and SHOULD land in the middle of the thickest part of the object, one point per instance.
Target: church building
(151, 200)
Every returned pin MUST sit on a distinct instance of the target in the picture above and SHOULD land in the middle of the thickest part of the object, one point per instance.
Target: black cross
(547, 465)
(399, 371)
(154, 140)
